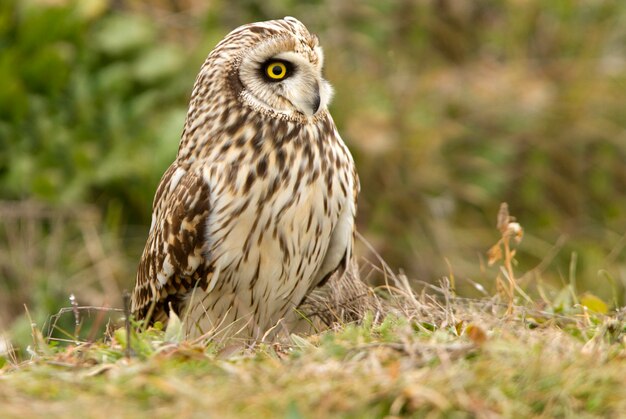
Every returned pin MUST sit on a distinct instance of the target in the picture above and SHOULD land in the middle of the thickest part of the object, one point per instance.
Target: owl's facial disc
(285, 82)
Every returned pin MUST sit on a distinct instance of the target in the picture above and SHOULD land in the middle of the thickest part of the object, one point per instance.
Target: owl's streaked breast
(272, 219)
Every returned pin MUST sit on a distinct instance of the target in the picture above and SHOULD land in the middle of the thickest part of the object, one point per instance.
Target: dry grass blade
(511, 233)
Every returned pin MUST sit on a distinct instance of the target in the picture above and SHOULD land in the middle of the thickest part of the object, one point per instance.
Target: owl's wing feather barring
(174, 260)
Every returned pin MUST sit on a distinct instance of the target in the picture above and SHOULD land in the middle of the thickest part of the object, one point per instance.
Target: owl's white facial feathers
(306, 90)
(303, 92)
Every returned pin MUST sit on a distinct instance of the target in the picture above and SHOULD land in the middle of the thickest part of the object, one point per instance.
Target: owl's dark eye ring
(277, 70)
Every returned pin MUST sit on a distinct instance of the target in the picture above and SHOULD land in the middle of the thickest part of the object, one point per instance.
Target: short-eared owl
(258, 208)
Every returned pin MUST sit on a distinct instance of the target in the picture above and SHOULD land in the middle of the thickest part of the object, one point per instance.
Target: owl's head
(273, 67)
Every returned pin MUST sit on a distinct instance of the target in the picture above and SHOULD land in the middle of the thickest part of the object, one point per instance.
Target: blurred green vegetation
(449, 108)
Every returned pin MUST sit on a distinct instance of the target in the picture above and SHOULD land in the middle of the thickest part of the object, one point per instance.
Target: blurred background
(449, 107)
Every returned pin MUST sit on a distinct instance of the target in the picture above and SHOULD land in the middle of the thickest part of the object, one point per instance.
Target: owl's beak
(313, 104)
(310, 101)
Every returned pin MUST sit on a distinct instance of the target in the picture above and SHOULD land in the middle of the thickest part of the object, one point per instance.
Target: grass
(424, 354)
(467, 357)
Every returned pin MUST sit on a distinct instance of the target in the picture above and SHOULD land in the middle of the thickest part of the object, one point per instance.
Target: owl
(258, 208)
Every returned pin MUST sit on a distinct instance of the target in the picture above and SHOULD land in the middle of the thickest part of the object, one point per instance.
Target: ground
(430, 354)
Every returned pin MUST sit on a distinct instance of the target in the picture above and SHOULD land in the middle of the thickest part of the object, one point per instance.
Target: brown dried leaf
(514, 230)
(503, 217)
(476, 334)
(494, 254)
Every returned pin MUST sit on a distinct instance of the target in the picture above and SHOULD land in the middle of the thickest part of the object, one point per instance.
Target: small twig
(126, 298)
(53, 320)
(76, 312)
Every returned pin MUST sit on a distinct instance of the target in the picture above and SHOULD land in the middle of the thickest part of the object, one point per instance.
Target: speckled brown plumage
(258, 208)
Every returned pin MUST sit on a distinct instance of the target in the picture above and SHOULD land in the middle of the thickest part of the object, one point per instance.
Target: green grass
(419, 355)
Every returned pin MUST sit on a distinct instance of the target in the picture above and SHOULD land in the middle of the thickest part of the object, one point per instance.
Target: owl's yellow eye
(276, 70)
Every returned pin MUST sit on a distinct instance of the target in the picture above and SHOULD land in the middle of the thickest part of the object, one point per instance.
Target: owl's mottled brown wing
(174, 259)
